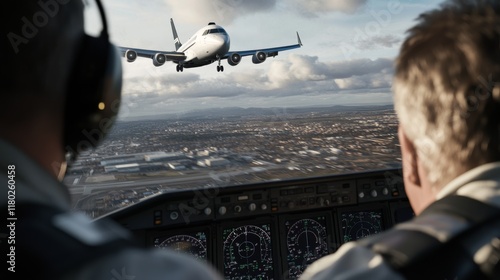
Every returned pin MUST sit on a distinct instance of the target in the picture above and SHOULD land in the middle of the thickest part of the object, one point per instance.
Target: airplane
(207, 45)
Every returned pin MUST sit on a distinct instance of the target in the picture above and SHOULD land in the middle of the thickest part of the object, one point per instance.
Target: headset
(94, 92)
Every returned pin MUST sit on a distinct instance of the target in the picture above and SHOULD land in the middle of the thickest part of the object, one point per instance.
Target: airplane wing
(158, 57)
(269, 51)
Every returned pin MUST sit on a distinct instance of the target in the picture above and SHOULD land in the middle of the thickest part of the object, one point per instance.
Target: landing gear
(180, 68)
(220, 68)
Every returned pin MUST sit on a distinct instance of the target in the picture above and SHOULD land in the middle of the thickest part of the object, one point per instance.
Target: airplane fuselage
(208, 45)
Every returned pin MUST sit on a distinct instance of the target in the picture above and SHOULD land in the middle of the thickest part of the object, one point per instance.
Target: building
(163, 156)
(214, 162)
(176, 166)
(131, 167)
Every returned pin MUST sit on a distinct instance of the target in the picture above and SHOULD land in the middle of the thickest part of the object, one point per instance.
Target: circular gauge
(360, 224)
(247, 252)
(306, 242)
(186, 244)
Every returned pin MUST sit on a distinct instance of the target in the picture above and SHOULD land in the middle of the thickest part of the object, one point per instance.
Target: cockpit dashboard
(271, 230)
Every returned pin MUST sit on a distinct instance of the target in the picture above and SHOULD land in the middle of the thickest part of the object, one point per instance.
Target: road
(206, 177)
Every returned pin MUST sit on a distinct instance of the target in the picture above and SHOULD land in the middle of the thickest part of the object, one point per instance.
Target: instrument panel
(271, 230)
(307, 239)
(358, 223)
(193, 242)
(248, 251)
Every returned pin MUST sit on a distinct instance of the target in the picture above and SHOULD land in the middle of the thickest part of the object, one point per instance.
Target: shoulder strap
(474, 211)
(52, 242)
(419, 255)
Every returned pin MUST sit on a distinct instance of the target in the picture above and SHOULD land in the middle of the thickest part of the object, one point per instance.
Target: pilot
(447, 98)
(50, 72)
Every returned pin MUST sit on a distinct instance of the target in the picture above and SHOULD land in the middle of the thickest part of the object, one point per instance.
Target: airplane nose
(218, 40)
(219, 44)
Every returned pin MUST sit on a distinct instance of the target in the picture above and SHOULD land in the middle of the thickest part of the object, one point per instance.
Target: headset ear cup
(93, 96)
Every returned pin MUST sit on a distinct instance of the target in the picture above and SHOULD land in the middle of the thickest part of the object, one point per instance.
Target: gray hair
(447, 87)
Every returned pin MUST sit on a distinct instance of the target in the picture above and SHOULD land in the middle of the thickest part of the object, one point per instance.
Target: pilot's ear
(409, 158)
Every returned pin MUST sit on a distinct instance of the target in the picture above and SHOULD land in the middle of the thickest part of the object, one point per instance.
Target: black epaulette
(415, 250)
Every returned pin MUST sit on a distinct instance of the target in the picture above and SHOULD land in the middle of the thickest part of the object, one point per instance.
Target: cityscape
(230, 146)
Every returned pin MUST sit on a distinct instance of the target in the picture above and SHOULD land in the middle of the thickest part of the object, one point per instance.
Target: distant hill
(238, 112)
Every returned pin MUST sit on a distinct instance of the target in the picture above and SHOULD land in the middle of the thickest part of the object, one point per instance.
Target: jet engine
(130, 55)
(259, 57)
(234, 59)
(159, 59)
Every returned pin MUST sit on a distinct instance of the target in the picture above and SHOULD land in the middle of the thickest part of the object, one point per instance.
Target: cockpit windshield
(214, 30)
(322, 109)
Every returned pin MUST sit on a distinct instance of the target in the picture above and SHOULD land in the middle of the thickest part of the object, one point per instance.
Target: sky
(349, 47)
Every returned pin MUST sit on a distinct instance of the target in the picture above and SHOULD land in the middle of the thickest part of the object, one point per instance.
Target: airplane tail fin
(177, 41)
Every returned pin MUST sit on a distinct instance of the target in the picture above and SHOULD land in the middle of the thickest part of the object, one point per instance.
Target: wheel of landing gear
(177, 68)
(222, 68)
(218, 68)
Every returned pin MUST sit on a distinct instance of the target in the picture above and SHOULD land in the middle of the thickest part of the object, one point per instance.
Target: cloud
(387, 41)
(295, 78)
(350, 74)
(292, 75)
(220, 11)
(226, 11)
(312, 8)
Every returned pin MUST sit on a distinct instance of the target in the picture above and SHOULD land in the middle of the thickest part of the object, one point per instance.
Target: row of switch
(238, 208)
(375, 193)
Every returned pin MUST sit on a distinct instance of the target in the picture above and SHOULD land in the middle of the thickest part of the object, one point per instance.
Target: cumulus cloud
(299, 76)
(312, 8)
(296, 68)
(296, 74)
(220, 11)
(226, 11)
(352, 73)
